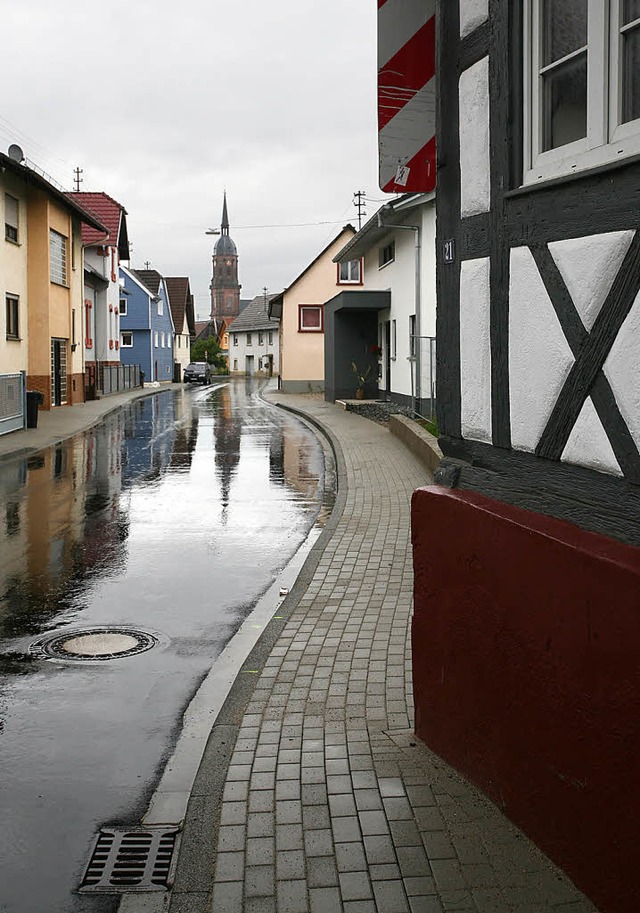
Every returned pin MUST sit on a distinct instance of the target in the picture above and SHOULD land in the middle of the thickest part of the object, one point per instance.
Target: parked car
(198, 372)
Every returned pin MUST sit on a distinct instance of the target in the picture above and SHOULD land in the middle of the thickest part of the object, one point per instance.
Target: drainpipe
(416, 390)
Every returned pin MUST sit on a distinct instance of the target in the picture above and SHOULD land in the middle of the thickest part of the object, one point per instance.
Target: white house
(396, 249)
(183, 315)
(102, 299)
(254, 340)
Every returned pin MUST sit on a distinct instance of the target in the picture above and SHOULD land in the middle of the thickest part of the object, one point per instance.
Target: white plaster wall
(588, 444)
(256, 349)
(589, 266)
(428, 271)
(14, 354)
(182, 350)
(105, 327)
(475, 350)
(428, 295)
(622, 369)
(399, 277)
(113, 300)
(472, 14)
(539, 356)
(475, 196)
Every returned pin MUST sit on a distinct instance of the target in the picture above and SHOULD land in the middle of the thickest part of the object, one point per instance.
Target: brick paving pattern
(329, 802)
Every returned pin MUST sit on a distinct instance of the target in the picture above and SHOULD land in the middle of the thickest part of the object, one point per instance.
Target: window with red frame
(310, 318)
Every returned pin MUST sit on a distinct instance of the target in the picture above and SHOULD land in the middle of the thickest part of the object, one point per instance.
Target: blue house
(146, 325)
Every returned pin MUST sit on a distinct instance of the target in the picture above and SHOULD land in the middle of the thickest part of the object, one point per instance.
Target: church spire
(225, 216)
(225, 288)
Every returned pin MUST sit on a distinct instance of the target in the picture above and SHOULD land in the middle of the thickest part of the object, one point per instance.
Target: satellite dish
(16, 153)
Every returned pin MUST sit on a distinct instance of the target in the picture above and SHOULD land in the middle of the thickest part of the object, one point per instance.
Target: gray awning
(353, 300)
(93, 278)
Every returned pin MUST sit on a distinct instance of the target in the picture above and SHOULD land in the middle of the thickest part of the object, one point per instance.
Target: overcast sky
(166, 103)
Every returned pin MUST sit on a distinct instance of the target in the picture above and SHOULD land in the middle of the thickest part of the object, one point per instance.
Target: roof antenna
(78, 179)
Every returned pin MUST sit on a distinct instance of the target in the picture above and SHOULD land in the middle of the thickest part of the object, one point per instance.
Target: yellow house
(300, 309)
(41, 276)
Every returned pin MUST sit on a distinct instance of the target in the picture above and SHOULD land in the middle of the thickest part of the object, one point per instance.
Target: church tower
(225, 288)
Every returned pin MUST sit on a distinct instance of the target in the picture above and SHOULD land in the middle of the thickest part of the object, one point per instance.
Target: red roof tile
(106, 209)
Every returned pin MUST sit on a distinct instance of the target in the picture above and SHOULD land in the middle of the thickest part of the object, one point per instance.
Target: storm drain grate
(131, 859)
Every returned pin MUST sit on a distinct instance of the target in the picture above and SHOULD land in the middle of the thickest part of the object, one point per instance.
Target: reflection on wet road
(172, 517)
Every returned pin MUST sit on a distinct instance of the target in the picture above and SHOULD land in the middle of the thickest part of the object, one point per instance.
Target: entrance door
(387, 359)
(250, 365)
(58, 372)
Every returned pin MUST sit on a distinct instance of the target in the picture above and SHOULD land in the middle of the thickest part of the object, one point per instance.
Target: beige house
(41, 280)
(300, 310)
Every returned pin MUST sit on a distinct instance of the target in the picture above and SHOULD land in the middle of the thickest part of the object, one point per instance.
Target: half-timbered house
(527, 555)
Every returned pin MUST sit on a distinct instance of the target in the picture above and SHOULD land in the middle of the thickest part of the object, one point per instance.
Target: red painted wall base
(526, 669)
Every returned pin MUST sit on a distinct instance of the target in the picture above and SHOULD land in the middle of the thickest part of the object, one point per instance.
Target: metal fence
(115, 378)
(13, 402)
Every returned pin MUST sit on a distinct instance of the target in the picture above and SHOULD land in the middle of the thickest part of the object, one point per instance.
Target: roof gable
(112, 215)
(31, 177)
(255, 316)
(150, 278)
(181, 303)
(347, 228)
(133, 276)
(377, 228)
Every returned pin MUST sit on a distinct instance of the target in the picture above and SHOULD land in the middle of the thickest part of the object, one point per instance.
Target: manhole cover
(96, 644)
(134, 859)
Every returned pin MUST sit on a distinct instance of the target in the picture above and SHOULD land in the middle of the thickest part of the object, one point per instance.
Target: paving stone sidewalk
(314, 795)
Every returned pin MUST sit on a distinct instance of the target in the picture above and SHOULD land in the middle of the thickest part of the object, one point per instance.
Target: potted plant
(362, 377)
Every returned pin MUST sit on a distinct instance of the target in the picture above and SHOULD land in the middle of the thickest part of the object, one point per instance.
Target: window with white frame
(160, 307)
(387, 254)
(122, 307)
(235, 339)
(349, 272)
(249, 340)
(310, 318)
(13, 316)
(270, 337)
(260, 339)
(582, 84)
(11, 213)
(156, 339)
(126, 339)
(57, 257)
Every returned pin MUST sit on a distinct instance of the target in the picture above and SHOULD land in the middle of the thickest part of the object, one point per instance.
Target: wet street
(169, 519)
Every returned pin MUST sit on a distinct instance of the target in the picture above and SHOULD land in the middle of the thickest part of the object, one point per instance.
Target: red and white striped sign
(407, 95)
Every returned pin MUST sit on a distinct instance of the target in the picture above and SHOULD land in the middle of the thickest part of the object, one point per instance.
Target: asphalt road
(171, 518)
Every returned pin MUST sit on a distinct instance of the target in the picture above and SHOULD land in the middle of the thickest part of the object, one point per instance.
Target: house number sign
(449, 249)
